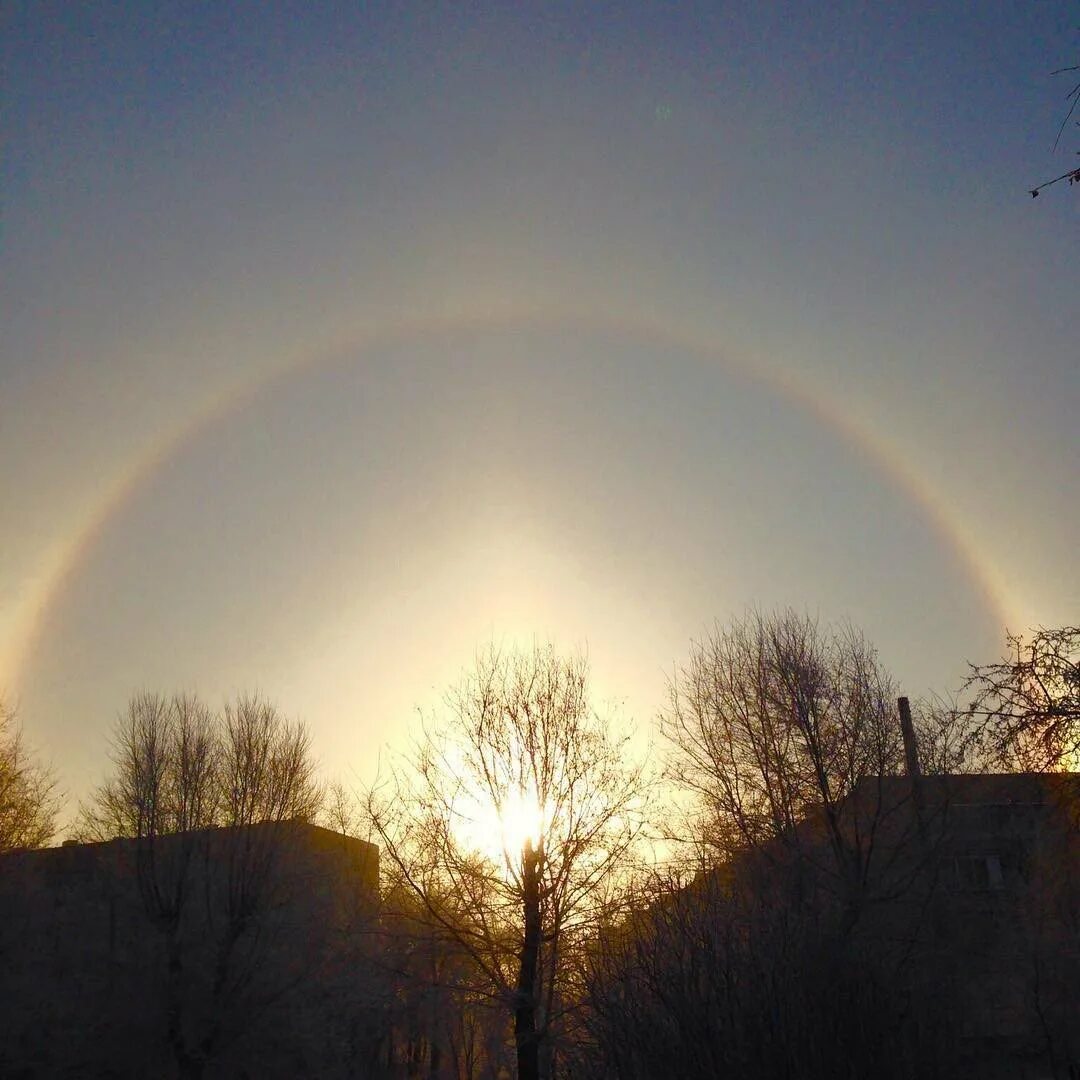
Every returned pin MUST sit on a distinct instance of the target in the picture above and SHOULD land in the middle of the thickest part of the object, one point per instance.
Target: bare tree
(165, 795)
(781, 731)
(28, 796)
(1072, 97)
(948, 738)
(773, 716)
(705, 976)
(781, 948)
(518, 742)
(444, 1016)
(342, 812)
(1027, 705)
(208, 801)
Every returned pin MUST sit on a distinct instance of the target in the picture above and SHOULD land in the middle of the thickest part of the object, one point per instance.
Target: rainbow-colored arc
(61, 565)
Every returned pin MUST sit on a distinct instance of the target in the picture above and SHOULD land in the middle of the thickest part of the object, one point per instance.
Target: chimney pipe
(911, 748)
(911, 759)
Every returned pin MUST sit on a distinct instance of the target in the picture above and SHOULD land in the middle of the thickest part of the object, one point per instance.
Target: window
(977, 873)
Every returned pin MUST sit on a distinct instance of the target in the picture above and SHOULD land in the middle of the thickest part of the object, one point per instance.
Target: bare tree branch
(517, 732)
(28, 794)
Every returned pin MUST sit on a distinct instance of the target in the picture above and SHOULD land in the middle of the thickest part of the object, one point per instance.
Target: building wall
(85, 975)
(993, 912)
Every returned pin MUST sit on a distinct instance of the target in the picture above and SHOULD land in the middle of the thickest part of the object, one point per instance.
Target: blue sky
(339, 339)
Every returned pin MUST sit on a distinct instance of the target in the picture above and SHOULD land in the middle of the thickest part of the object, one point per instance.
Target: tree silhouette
(519, 730)
(209, 801)
(1026, 706)
(28, 798)
(1073, 99)
(781, 731)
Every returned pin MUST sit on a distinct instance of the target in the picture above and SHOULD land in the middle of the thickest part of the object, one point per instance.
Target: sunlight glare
(499, 831)
(521, 819)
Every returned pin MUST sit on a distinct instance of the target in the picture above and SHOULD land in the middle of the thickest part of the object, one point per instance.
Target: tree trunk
(190, 1066)
(525, 1036)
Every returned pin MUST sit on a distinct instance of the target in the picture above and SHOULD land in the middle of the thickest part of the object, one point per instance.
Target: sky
(340, 340)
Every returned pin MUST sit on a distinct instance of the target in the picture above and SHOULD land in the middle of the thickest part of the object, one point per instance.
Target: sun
(521, 820)
(500, 829)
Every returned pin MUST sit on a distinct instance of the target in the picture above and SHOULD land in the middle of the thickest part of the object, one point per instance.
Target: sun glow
(500, 830)
(521, 820)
